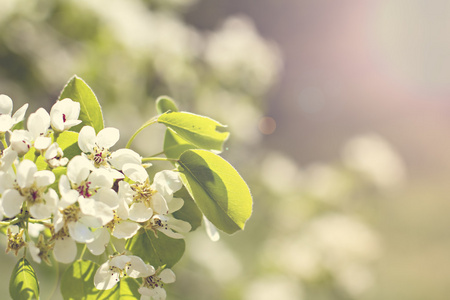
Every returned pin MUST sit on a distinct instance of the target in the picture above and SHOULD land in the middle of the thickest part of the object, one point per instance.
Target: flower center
(85, 190)
(15, 241)
(32, 194)
(71, 214)
(152, 282)
(143, 193)
(113, 222)
(99, 156)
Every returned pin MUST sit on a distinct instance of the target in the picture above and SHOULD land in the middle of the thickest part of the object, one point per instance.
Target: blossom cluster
(100, 195)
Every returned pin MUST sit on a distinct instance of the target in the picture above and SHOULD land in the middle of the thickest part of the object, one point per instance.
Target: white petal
(167, 182)
(125, 230)
(38, 122)
(171, 233)
(107, 196)
(34, 251)
(6, 104)
(179, 225)
(44, 177)
(80, 232)
(65, 250)
(12, 202)
(87, 139)
(137, 173)
(9, 155)
(167, 276)
(119, 261)
(25, 173)
(159, 204)
(6, 123)
(175, 204)
(78, 169)
(101, 240)
(136, 267)
(211, 230)
(46, 209)
(101, 211)
(20, 114)
(123, 156)
(57, 120)
(101, 178)
(42, 142)
(20, 141)
(139, 212)
(104, 278)
(108, 137)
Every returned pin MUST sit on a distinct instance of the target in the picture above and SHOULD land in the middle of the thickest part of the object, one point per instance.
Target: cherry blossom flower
(148, 199)
(21, 141)
(109, 273)
(6, 107)
(38, 124)
(55, 156)
(169, 226)
(30, 186)
(96, 149)
(64, 114)
(152, 286)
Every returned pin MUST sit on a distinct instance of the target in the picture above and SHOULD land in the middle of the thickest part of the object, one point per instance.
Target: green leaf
(217, 188)
(23, 283)
(68, 142)
(174, 145)
(157, 251)
(201, 131)
(90, 110)
(77, 282)
(190, 211)
(164, 104)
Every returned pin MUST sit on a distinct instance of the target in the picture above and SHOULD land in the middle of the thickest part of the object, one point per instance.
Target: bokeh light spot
(267, 125)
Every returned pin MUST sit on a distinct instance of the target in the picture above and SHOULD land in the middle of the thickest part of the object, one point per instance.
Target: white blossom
(96, 148)
(152, 286)
(6, 107)
(64, 114)
(109, 273)
(30, 185)
(38, 124)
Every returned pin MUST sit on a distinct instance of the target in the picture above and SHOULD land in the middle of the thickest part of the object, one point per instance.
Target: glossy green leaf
(157, 251)
(217, 188)
(164, 104)
(68, 142)
(23, 284)
(201, 131)
(77, 282)
(174, 145)
(90, 110)
(190, 211)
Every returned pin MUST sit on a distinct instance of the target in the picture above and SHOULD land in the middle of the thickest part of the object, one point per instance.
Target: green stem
(113, 247)
(148, 123)
(82, 252)
(5, 144)
(147, 159)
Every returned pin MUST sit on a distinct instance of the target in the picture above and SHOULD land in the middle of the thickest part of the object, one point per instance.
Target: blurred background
(339, 115)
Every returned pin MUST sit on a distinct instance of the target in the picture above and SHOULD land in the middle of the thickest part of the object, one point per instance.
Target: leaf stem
(82, 252)
(147, 159)
(148, 123)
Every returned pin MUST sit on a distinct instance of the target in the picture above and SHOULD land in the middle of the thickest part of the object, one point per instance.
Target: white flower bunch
(66, 190)
(100, 193)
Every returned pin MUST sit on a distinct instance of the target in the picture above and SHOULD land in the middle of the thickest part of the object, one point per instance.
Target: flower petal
(12, 202)
(104, 278)
(65, 250)
(25, 173)
(167, 276)
(108, 137)
(87, 139)
(101, 240)
(139, 212)
(44, 178)
(122, 156)
(6, 104)
(125, 229)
